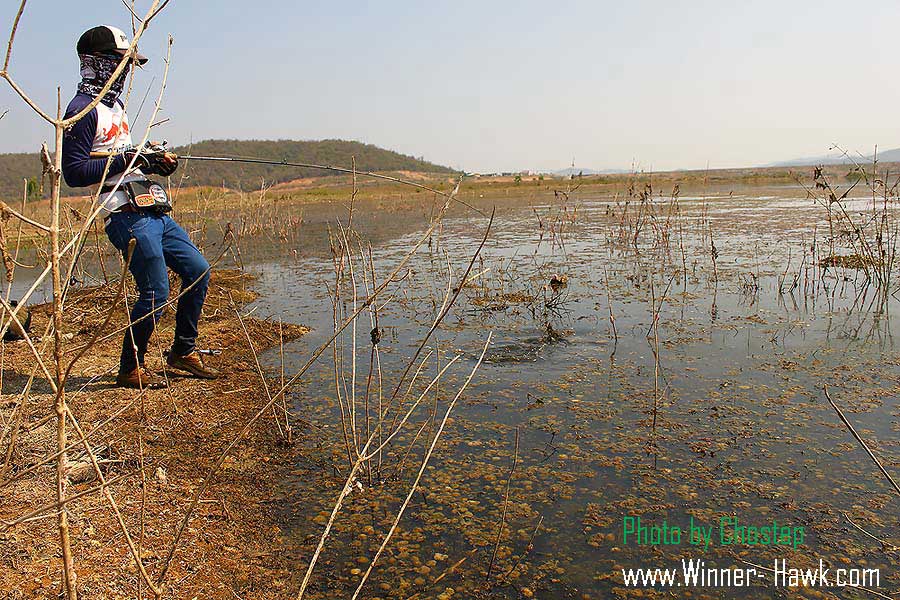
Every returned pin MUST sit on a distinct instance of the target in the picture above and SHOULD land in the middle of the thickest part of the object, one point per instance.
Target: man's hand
(165, 165)
(152, 161)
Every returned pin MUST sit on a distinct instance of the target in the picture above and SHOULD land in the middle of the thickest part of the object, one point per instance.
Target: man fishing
(134, 208)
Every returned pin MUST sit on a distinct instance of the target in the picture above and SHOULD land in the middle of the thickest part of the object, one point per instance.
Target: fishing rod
(286, 163)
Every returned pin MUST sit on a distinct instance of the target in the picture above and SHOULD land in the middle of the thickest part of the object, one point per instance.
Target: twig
(455, 565)
(135, 552)
(505, 506)
(6, 209)
(259, 369)
(348, 485)
(53, 457)
(447, 305)
(883, 543)
(860, 440)
(528, 547)
(62, 503)
(612, 318)
(415, 483)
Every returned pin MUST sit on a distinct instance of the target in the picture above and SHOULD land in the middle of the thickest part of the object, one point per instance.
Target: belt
(124, 208)
(106, 189)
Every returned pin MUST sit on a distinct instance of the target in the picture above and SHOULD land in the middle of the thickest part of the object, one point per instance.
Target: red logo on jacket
(114, 132)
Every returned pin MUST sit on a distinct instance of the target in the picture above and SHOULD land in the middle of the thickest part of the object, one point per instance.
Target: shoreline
(154, 450)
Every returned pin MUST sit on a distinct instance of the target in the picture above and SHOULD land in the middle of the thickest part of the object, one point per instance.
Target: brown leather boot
(193, 364)
(140, 378)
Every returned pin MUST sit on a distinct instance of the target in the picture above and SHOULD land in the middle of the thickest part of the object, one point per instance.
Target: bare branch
(15, 86)
(861, 442)
(112, 502)
(415, 484)
(12, 35)
(7, 209)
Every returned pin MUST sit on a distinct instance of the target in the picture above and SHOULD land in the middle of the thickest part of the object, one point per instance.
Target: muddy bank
(153, 449)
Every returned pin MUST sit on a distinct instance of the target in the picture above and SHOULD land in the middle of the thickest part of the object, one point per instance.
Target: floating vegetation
(501, 301)
(725, 351)
(850, 261)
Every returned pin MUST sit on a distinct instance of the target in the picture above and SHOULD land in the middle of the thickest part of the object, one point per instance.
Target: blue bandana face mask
(96, 69)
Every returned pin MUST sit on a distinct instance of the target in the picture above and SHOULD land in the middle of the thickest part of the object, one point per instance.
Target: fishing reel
(148, 148)
(156, 147)
(152, 158)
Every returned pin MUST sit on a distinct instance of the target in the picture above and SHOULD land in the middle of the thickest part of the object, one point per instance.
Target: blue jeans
(161, 243)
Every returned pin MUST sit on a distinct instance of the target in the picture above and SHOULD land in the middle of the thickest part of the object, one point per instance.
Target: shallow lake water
(741, 428)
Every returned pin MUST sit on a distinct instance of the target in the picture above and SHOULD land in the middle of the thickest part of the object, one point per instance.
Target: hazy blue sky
(484, 85)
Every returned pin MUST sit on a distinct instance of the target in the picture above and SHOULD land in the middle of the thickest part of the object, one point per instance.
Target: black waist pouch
(145, 195)
(14, 332)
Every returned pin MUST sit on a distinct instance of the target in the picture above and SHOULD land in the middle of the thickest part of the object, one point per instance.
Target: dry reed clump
(856, 262)
(871, 235)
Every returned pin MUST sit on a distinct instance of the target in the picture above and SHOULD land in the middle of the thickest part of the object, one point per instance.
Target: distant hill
(838, 159)
(16, 167)
(337, 153)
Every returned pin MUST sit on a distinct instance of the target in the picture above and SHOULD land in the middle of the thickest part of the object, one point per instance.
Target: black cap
(106, 39)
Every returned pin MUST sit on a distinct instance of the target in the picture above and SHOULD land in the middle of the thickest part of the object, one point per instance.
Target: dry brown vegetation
(153, 449)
